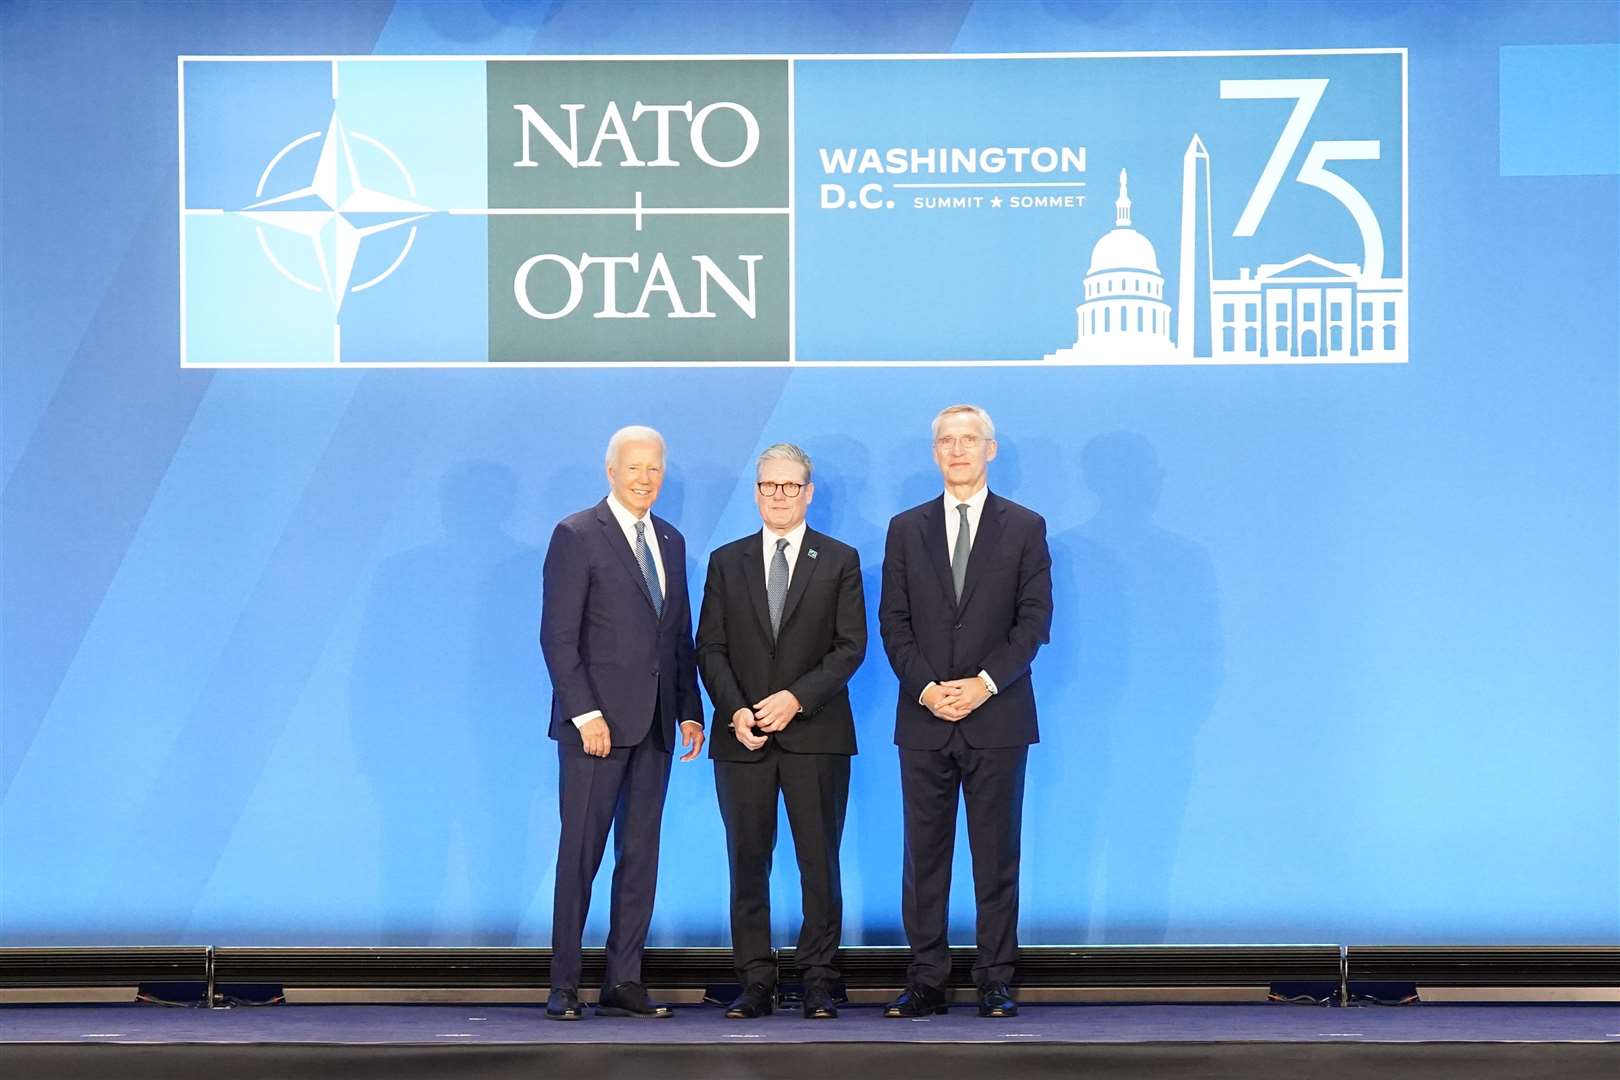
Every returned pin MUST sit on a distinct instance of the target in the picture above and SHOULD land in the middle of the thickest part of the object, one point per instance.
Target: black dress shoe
(916, 1001)
(563, 1004)
(818, 1003)
(996, 1000)
(630, 999)
(755, 1001)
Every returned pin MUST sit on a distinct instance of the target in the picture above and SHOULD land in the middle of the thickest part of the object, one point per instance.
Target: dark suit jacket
(1005, 616)
(604, 646)
(821, 642)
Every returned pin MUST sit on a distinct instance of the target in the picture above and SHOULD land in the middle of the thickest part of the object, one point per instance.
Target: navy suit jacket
(604, 645)
(1005, 616)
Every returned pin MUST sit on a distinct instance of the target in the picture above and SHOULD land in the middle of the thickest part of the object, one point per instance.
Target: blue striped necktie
(649, 572)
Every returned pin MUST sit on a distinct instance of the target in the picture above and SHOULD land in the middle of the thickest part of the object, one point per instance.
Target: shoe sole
(633, 1015)
(564, 1016)
(938, 1010)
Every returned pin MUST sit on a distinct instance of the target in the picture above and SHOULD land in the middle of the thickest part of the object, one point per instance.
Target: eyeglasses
(968, 443)
(769, 488)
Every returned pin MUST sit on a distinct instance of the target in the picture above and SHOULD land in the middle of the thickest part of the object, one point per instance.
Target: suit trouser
(624, 791)
(815, 788)
(992, 781)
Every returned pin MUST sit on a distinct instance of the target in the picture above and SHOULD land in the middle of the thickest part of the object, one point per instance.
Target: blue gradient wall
(1335, 649)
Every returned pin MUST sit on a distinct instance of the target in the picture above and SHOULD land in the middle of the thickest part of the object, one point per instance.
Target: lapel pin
(810, 552)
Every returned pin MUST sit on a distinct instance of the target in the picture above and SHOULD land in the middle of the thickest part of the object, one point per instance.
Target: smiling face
(962, 452)
(781, 512)
(635, 474)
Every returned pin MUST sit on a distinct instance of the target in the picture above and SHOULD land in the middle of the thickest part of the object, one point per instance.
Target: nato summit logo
(1164, 208)
(374, 211)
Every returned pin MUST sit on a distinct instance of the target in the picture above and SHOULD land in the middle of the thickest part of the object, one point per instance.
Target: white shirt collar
(795, 538)
(627, 520)
(974, 501)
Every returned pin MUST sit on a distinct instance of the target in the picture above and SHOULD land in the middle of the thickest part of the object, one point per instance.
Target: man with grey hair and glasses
(616, 631)
(967, 602)
(781, 630)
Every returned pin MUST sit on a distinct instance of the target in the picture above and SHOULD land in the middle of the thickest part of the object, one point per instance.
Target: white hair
(633, 433)
(987, 425)
(784, 451)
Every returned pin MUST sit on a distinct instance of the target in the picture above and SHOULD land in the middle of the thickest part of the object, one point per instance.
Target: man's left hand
(776, 712)
(970, 693)
(691, 738)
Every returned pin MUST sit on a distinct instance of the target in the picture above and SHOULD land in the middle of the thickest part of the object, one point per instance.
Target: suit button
(958, 626)
(655, 672)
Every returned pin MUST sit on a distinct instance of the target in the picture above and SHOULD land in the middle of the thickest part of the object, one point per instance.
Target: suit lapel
(674, 564)
(984, 544)
(620, 546)
(933, 527)
(753, 569)
(803, 570)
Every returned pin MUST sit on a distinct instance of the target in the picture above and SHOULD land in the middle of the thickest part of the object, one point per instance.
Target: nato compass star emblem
(335, 211)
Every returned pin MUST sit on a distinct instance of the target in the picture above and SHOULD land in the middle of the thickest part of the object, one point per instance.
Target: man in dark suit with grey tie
(966, 603)
(782, 629)
(616, 631)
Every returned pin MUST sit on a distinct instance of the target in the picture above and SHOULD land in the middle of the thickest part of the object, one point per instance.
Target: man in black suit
(782, 629)
(616, 631)
(967, 602)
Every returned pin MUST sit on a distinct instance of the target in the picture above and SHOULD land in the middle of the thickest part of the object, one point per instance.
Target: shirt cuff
(699, 723)
(584, 718)
(925, 690)
(989, 683)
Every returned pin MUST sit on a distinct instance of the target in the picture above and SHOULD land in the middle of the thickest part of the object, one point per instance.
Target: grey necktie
(649, 572)
(959, 554)
(776, 585)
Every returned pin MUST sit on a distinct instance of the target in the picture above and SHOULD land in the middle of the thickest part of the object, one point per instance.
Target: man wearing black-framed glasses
(782, 629)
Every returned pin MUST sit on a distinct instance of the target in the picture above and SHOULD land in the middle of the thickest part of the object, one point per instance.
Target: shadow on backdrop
(1140, 649)
(444, 696)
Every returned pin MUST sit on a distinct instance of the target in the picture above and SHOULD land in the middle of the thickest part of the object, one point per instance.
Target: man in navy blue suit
(966, 603)
(616, 631)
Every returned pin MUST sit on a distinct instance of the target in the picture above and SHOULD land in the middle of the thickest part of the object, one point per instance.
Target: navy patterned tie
(776, 585)
(649, 572)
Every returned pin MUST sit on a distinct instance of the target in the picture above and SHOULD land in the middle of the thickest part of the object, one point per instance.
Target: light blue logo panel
(1103, 210)
(324, 180)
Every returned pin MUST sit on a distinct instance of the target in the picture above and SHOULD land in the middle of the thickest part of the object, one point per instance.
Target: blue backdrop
(1335, 651)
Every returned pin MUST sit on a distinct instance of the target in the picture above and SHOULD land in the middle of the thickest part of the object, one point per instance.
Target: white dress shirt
(953, 525)
(627, 524)
(953, 520)
(795, 540)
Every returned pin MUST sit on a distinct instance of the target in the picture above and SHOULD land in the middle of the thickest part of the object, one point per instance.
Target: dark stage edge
(401, 1042)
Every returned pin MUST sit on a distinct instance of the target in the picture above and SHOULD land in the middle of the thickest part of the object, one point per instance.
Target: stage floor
(441, 1024)
(1047, 1040)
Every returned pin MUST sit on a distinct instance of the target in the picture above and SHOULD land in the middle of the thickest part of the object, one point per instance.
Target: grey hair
(633, 433)
(784, 451)
(987, 424)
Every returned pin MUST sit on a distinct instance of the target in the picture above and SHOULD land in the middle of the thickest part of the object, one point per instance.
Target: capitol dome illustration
(1123, 316)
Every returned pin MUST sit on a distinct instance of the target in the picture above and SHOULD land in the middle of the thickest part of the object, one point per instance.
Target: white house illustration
(1306, 309)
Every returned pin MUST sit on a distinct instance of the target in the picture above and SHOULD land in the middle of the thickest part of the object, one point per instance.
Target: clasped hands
(770, 715)
(953, 699)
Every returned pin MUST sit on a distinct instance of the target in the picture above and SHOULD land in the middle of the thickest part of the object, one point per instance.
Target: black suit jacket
(1005, 616)
(604, 645)
(821, 642)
